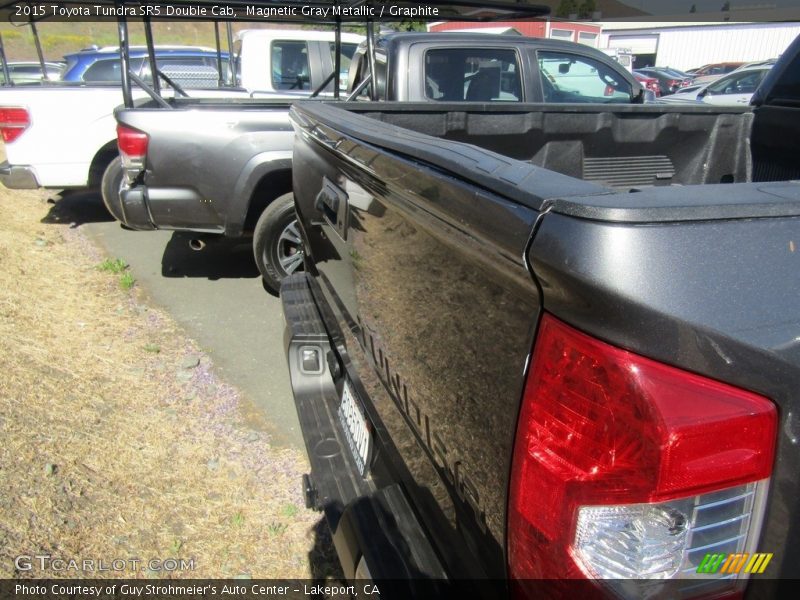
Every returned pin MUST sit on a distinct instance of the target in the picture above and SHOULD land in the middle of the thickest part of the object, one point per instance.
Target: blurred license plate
(356, 429)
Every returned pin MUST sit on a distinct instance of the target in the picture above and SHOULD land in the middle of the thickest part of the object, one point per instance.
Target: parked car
(238, 182)
(709, 73)
(676, 73)
(31, 71)
(758, 63)
(734, 88)
(668, 81)
(102, 65)
(508, 366)
(649, 83)
(622, 55)
(686, 92)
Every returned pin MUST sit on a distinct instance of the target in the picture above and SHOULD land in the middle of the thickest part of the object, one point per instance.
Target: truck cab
(452, 67)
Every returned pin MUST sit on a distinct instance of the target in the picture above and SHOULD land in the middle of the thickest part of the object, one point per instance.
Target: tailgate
(426, 293)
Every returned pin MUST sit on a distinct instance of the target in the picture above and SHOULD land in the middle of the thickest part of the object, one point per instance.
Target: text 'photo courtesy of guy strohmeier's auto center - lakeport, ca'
(387, 299)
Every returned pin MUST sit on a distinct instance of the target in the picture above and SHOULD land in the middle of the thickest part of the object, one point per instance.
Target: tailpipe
(197, 244)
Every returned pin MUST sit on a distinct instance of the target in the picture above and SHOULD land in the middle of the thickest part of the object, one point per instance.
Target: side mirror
(639, 95)
(702, 93)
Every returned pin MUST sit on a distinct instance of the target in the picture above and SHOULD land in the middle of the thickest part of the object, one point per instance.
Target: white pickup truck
(64, 135)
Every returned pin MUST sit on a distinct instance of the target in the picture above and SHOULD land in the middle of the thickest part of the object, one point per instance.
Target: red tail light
(132, 142)
(13, 123)
(603, 431)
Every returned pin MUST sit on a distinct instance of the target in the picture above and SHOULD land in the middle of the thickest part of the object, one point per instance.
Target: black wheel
(110, 187)
(277, 244)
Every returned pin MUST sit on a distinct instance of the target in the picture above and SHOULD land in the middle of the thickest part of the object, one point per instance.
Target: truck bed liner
(620, 147)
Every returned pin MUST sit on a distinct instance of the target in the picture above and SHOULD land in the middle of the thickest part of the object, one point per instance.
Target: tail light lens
(132, 142)
(132, 145)
(625, 467)
(13, 123)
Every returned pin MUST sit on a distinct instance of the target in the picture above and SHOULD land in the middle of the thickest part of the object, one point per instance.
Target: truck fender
(258, 167)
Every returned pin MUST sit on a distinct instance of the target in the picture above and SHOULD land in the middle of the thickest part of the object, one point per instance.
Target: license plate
(356, 428)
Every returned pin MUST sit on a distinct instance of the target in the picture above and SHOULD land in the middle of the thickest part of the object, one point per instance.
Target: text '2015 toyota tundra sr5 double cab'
(177, 179)
(553, 342)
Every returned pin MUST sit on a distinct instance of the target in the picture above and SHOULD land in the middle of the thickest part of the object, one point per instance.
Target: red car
(649, 83)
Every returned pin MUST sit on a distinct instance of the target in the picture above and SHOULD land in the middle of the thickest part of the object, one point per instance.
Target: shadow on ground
(322, 557)
(76, 207)
(221, 258)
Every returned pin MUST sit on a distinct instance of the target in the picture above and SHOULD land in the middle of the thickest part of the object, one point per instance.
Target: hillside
(59, 39)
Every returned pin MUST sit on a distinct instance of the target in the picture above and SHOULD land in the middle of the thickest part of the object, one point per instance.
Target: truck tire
(110, 186)
(277, 244)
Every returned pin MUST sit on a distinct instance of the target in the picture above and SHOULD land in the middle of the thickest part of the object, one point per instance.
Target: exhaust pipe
(196, 244)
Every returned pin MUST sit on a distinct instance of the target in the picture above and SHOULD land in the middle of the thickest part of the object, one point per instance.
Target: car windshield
(744, 82)
(675, 72)
(107, 70)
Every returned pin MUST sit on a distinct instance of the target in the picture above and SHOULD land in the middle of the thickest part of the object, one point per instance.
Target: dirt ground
(119, 442)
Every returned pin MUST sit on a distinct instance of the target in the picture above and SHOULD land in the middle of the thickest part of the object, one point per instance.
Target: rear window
(290, 65)
(476, 75)
(103, 70)
(27, 70)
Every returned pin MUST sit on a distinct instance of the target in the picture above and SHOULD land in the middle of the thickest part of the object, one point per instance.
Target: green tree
(408, 25)
(567, 8)
(586, 9)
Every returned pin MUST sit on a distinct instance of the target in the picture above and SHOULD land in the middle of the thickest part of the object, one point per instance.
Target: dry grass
(114, 443)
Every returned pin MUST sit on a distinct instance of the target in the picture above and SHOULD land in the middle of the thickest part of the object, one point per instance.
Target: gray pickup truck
(223, 167)
(553, 342)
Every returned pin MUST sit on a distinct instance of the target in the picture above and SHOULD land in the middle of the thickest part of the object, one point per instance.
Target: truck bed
(618, 147)
(234, 143)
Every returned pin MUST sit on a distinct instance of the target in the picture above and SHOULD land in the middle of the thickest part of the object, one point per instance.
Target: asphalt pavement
(215, 294)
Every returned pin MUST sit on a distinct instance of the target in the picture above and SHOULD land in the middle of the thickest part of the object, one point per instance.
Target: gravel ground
(119, 440)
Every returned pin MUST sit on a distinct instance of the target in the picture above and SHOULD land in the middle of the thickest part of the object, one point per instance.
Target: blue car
(189, 66)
